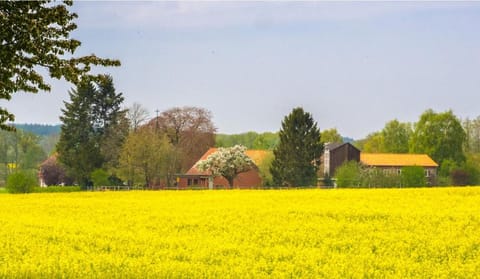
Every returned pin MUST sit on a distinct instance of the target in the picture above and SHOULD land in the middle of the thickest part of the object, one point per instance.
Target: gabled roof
(334, 145)
(256, 155)
(397, 160)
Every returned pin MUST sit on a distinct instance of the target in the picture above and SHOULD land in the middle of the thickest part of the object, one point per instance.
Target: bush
(348, 174)
(377, 177)
(413, 176)
(21, 182)
(460, 177)
(53, 173)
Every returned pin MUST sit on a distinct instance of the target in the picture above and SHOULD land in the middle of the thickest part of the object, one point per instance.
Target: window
(427, 173)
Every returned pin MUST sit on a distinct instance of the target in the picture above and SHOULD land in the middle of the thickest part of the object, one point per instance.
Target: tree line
(39, 129)
(19, 151)
(448, 140)
(100, 141)
(452, 143)
(103, 144)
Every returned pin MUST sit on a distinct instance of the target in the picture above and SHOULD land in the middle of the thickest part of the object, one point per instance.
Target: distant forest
(40, 129)
(251, 140)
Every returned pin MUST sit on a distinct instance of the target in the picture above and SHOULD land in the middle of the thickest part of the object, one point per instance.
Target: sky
(353, 65)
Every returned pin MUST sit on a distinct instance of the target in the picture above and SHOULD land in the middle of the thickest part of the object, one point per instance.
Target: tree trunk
(230, 182)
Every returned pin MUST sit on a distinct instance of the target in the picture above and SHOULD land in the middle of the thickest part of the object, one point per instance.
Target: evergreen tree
(110, 122)
(88, 130)
(76, 148)
(297, 153)
(107, 106)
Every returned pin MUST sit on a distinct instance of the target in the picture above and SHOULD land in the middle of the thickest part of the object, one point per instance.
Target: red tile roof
(256, 155)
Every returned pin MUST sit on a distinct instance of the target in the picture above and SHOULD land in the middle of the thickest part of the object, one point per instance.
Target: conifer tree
(76, 148)
(298, 151)
(110, 122)
(92, 121)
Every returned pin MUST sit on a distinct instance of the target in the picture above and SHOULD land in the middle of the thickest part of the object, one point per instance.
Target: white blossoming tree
(227, 162)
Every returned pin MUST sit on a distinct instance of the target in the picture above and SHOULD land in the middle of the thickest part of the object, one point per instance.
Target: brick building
(250, 179)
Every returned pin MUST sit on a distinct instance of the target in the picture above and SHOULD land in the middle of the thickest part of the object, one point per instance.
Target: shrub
(264, 169)
(413, 176)
(376, 177)
(348, 174)
(53, 173)
(460, 177)
(21, 182)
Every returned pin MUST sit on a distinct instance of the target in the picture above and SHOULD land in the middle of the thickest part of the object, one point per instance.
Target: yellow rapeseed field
(401, 233)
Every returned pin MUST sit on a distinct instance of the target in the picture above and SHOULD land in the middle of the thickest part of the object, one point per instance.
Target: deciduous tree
(472, 130)
(439, 135)
(331, 135)
(396, 136)
(298, 150)
(54, 174)
(374, 143)
(19, 150)
(393, 138)
(266, 141)
(251, 140)
(191, 132)
(137, 115)
(227, 162)
(144, 157)
(35, 36)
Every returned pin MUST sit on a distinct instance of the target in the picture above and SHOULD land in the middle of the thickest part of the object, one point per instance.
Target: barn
(335, 154)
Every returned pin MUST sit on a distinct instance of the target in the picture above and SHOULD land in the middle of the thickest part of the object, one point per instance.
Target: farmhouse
(336, 154)
(251, 179)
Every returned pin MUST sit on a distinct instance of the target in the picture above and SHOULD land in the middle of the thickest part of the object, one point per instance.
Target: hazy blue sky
(354, 66)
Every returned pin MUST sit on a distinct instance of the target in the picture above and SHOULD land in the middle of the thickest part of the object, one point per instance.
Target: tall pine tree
(89, 127)
(298, 150)
(111, 122)
(76, 148)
